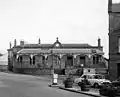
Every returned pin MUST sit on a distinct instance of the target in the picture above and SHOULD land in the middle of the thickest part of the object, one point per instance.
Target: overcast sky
(73, 21)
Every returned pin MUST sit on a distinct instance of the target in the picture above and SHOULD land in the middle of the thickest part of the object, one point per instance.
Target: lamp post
(89, 62)
(54, 76)
(82, 65)
(52, 71)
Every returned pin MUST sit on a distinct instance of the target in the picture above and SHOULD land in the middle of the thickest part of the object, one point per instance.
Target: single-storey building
(60, 57)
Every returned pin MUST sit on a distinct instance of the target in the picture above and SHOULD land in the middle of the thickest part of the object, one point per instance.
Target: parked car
(111, 89)
(95, 80)
(116, 82)
(108, 90)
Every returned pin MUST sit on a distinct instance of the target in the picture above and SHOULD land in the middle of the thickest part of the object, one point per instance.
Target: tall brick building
(41, 58)
(114, 39)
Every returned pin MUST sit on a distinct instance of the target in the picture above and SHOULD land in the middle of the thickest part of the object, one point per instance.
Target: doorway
(82, 60)
(118, 69)
(69, 61)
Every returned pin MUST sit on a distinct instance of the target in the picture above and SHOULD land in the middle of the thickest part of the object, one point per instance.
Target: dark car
(107, 90)
(116, 83)
(111, 89)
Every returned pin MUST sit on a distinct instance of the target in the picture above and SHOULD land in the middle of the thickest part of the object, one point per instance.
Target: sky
(72, 21)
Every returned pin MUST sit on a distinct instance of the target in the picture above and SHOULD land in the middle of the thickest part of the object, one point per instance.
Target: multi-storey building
(114, 39)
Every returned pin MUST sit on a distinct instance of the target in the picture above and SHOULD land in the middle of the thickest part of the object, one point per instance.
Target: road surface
(18, 85)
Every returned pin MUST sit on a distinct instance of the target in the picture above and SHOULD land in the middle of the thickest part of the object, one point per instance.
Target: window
(97, 60)
(115, 1)
(115, 5)
(43, 58)
(21, 59)
(89, 77)
(119, 44)
(18, 59)
(94, 60)
(84, 76)
(96, 77)
(34, 60)
(99, 77)
(30, 61)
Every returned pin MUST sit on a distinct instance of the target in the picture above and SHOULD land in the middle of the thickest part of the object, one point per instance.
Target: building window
(94, 60)
(34, 60)
(18, 59)
(21, 59)
(119, 44)
(97, 60)
(43, 58)
(30, 61)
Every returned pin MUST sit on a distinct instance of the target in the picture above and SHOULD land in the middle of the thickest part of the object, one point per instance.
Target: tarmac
(92, 92)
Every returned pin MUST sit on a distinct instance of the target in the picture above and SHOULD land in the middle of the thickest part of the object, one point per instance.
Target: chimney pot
(21, 42)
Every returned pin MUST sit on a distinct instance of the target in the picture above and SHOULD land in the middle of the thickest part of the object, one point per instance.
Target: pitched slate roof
(76, 45)
(78, 51)
(51, 45)
(33, 51)
(59, 51)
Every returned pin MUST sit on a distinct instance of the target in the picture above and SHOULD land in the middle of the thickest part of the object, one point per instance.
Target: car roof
(92, 74)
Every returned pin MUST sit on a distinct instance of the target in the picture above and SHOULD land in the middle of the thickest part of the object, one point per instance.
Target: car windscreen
(99, 77)
(83, 76)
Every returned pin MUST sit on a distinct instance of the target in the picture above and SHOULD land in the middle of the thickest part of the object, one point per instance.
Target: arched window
(33, 60)
(21, 59)
(94, 61)
(30, 60)
(97, 59)
(43, 58)
(18, 59)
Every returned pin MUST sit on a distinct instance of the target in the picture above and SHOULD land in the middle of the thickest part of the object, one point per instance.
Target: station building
(62, 58)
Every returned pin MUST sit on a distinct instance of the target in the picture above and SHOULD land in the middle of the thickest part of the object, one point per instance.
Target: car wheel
(79, 84)
(96, 85)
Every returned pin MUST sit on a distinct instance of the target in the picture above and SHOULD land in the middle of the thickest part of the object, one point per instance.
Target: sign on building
(89, 70)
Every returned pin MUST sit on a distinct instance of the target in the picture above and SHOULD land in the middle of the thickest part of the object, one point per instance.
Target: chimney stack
(39, 41)
(21, 42)
(15, 43)
(99, 42)
(10, 45)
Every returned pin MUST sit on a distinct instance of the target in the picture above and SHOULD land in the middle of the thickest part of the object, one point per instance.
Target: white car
(95, 80)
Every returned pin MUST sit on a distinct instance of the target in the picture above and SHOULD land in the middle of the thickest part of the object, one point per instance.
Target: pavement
(91, 92)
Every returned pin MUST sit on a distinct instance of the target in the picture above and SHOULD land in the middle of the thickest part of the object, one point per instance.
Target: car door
(82, 77)
(95, 79)
(77, 80)
(90, 79)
